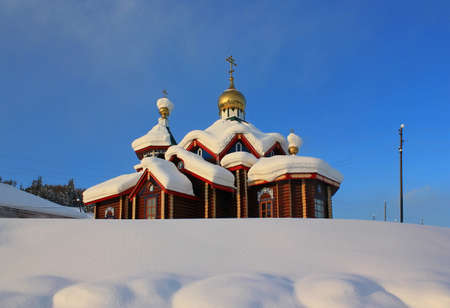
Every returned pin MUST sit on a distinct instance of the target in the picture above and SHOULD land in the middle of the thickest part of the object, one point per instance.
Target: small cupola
(295, 142)
(231, 102)
(159, 138)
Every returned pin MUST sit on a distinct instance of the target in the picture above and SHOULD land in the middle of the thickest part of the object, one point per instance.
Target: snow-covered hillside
(222, 263)
(11, 197)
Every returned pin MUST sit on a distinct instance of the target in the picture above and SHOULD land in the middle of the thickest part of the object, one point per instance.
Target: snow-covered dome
(238, 158)
(164, 102)
(295, 142)
(165, 107)
(269, 168)
(159, 135)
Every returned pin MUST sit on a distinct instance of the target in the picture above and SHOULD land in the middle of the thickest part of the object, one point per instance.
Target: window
(265, 206)
(238, 147)
(151, 208)
(319, 208)
(319, 188)
(180, 165)
(200, 152)
(109, 213)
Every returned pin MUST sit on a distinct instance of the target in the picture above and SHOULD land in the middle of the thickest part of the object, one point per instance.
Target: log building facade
(229, 170)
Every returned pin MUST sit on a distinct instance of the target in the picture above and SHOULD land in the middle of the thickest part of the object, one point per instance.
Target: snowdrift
(222, 263)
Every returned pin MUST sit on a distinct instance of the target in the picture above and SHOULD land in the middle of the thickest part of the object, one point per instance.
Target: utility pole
(400, 149)
(385, 216)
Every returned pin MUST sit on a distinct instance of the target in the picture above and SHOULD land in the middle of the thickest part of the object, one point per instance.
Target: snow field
(222, 263)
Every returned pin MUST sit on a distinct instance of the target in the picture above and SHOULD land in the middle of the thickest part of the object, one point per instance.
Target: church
(229, 170)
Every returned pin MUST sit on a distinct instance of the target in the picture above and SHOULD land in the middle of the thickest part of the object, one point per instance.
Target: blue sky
(79, 81)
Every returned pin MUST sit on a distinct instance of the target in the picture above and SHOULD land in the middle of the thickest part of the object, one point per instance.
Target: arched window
(238, 147)
(200, 152)
(109, 213)
(265, 206)
(150, 208)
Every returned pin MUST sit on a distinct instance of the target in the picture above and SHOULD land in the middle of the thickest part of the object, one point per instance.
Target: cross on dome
(231, 71)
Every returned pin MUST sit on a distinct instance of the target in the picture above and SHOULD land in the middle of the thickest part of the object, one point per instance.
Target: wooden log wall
(296, 194)
(185, 208)
(284, 198)
(103, 205)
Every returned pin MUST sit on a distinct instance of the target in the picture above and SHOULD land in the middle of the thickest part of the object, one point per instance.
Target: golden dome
(231, 98)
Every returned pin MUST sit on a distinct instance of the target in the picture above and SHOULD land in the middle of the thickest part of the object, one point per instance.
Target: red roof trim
(195, 143)
(125, 192)
(218, 186)
(274, 146)
(152, 147)
(238, 167)
(233, 142)
(289, 176)
(138, 184)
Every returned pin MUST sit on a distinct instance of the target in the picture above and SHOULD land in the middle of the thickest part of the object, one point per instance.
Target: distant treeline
(67, 195)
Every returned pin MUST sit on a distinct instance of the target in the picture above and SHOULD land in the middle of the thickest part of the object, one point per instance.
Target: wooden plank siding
(186, 208)
(296, 193)
(103, 205)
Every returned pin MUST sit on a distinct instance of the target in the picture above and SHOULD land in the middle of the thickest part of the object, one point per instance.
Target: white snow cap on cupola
(295, 142)
(159, 135)
(269, 168)
(197, 165)
(168, 175)
(164, 102)
(238, 159)
(111, 187)
(217, 136)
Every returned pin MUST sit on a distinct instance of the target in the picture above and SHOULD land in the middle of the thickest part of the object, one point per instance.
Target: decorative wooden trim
(120, 206)
(206, 200)
(246, 195)
(233, 141)
(278, 199)
(274, 146)
(238, 194)
(330, 208)
(163, 204)
(289, 176)
(133, 208)
(238, 167)
(139, 184)
(304, 208)
(171, 206)
(195, 143)
(290, 197)
(214, 203)
(151, 147)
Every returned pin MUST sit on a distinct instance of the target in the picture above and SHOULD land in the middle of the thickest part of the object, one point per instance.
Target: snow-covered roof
(196, 164)
(111, 187)
(217, 136)
(159, 135)
(269, 168)
(15, 198)
(168, 175)
(238, 158)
